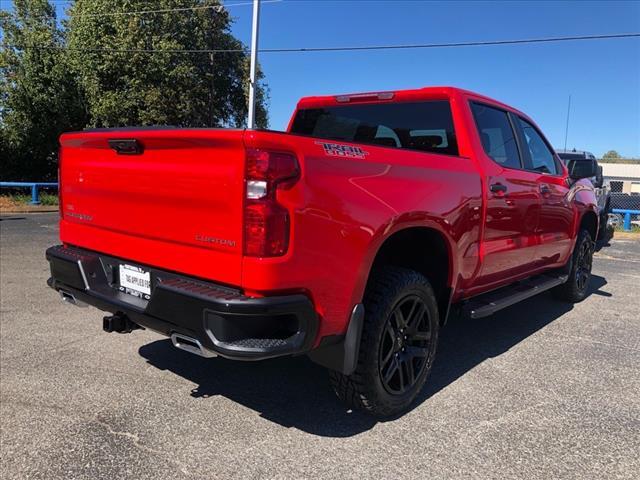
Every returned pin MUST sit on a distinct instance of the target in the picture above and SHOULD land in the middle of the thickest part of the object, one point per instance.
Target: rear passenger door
(556, 213)
(513, 201)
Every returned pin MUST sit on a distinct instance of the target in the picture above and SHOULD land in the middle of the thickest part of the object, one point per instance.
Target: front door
(556, 214)
(508, 247)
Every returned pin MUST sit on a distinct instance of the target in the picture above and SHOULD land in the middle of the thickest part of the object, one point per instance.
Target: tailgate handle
(126, 146)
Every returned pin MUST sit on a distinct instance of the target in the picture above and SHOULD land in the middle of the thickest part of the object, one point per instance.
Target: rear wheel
(398, 345)
(576, 287)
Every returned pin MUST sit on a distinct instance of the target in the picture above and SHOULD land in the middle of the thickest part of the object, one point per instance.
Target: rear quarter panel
(344, 208)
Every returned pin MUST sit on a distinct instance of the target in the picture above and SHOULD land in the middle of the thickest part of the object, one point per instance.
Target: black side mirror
(599, 177)
(582, 169)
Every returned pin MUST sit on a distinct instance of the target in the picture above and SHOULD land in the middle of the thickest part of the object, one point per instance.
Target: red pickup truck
(348, 238)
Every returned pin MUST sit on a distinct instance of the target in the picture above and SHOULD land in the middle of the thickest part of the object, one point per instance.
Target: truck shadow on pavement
(294, 392)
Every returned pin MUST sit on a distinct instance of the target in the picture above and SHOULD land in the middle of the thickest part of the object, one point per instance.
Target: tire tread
(356, 390)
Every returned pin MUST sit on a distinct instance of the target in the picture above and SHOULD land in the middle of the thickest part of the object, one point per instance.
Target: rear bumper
(223, 320)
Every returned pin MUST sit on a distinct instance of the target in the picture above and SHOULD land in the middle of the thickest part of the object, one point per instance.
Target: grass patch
(634, 229)
(46, 198)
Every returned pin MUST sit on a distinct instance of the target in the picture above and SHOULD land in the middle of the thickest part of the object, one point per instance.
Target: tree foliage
(88, 75)
(174, 88)
(611, 155)
(38, 95)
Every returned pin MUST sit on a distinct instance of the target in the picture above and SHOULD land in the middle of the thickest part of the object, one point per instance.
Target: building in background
(622, 177)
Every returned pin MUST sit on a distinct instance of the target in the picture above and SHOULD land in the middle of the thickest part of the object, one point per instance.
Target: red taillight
(274, 167)
(266, 229)
(266, 222)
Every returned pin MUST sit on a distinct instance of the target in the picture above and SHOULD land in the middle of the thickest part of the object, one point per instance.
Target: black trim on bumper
(222, 319)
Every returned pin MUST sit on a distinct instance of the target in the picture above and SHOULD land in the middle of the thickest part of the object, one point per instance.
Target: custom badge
(337, 150)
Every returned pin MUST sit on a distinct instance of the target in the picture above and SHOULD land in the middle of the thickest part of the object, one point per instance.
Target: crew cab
(348, 238)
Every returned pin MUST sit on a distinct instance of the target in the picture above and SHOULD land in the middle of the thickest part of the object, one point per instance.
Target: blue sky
(602, 76)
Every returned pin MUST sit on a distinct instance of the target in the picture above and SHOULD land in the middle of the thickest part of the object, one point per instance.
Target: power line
(449, 45)
(355, 48)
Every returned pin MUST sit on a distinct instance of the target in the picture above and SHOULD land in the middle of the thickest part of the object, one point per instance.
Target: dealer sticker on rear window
(338, 150)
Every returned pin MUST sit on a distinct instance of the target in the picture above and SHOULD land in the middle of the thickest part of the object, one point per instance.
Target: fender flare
(394, 226)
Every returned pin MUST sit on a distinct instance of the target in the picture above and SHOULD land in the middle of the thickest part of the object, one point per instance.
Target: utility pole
(251, 122)
(212, 93)
(566, 131)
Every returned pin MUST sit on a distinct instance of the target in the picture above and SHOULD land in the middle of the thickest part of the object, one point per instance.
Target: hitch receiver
(119, 323)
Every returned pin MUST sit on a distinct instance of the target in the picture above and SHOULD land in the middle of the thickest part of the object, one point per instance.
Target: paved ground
(542, 390)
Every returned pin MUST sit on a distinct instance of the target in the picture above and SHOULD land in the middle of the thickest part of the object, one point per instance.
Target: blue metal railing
(627, 217)
(35, 198)
(34, 186)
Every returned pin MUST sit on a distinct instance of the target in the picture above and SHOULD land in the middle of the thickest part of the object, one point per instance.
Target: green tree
(123, 86)
(614, 157)
(611, 155)
(38, 95)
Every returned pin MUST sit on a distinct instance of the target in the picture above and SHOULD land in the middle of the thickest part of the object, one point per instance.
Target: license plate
(135, 281)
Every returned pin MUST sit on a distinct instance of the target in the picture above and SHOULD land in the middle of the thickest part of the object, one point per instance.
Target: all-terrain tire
(392, 294)
(575, 289)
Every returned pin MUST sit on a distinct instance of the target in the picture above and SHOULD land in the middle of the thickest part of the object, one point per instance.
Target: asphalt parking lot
(541, 390)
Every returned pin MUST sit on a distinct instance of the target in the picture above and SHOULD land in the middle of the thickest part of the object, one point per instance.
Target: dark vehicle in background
(603, 193)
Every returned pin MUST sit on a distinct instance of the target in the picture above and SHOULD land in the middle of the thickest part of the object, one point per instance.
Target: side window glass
(498, 138)
(541, 157)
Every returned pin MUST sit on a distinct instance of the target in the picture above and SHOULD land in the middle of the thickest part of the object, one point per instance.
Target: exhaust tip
(191, 345)
(68, 297)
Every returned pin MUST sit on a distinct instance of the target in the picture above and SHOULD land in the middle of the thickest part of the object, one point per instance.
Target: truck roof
(424, 93)
(574, 154)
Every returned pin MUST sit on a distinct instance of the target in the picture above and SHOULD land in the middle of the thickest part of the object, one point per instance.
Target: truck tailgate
(174, 202)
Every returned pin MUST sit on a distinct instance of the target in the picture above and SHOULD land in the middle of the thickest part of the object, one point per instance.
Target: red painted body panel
(179, 206)
(187, 184)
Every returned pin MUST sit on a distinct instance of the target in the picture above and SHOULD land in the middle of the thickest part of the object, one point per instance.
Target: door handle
(498, 188)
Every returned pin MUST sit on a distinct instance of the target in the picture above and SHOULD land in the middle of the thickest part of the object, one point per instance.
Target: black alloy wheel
(578, 270)
(405, 345)
(398, 344)
(584, 261)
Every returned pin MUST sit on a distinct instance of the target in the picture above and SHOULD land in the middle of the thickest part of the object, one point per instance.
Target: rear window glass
(424, 126)
(496, 134)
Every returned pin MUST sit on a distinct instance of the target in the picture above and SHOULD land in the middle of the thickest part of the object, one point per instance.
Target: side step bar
(489, 303)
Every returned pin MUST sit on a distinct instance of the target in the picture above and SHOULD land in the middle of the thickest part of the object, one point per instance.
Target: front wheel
(576, 287)
(398, 345)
